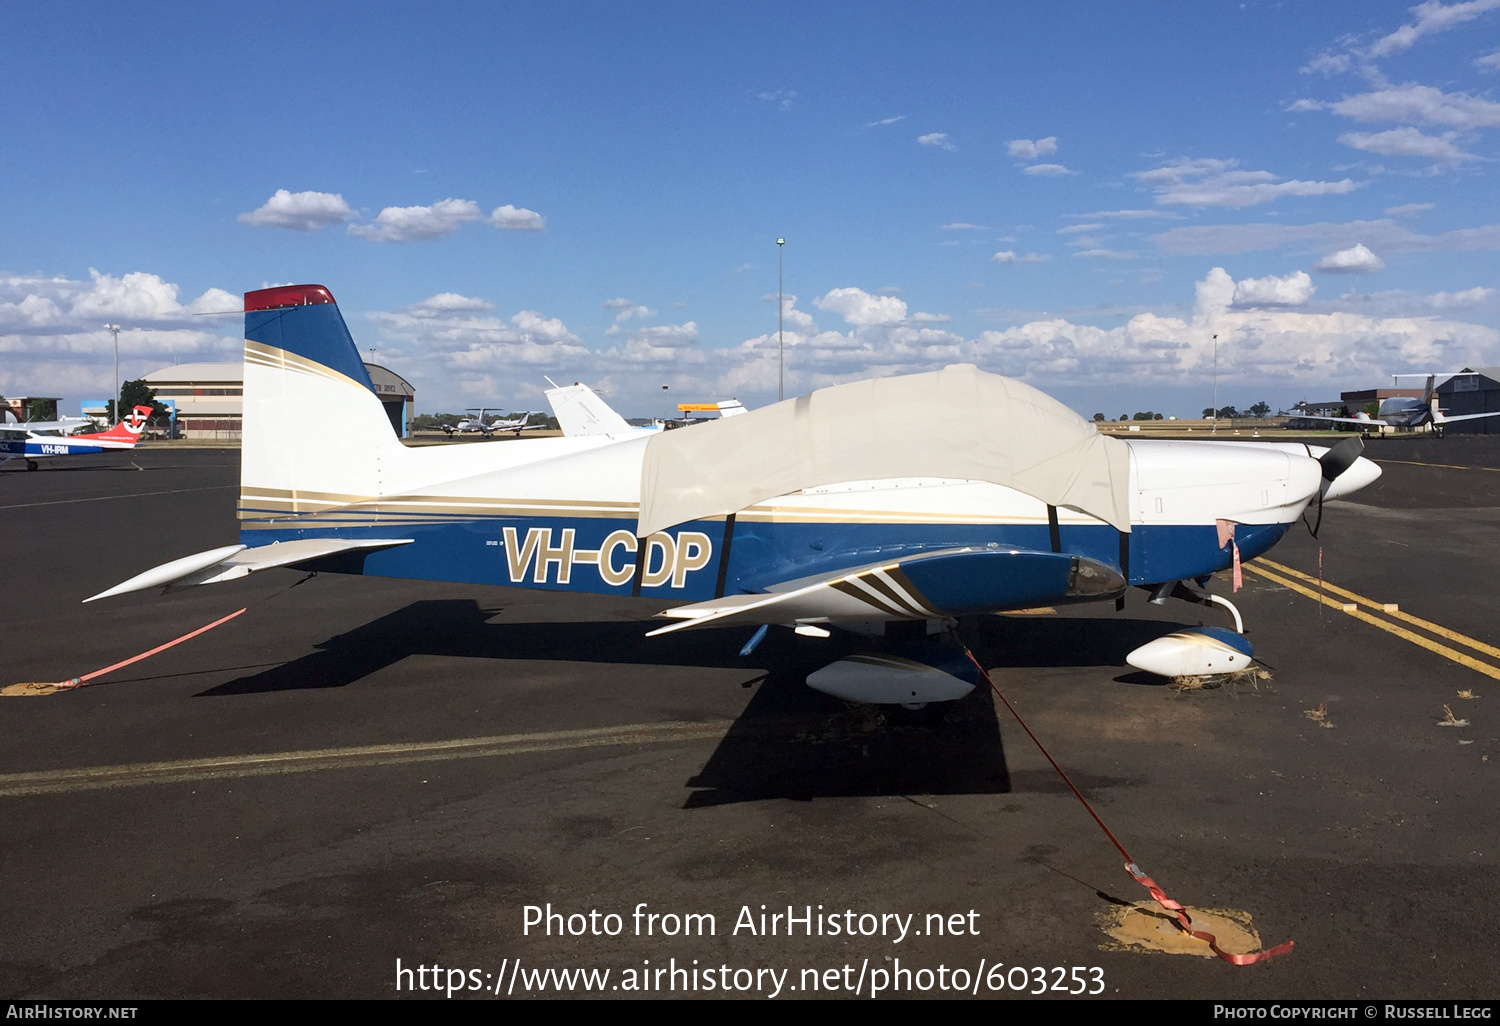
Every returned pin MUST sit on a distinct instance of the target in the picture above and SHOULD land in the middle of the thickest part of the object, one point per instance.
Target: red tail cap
(286, 295)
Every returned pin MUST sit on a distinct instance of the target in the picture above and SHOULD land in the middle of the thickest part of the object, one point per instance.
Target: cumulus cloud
(1408, 209)
(1404, 303)
(938, 139)
(446, 304)
(1408, 142)
(1489, 62)
(1006, 256)
(1031, 149)
(1467, 297)
(625, 309)
(781, 98)
(1073, 228)
(1417, 105)
(660, 336)
(1210, 182)
(1357, 259)
(1293, 289)
(52, 337)
(408, 224)
(462, 335)
(1049, 169)
(856, 306)
(517, 219)
(1431, 16)
(299, 211)
(1266, 345)
(1327, 64)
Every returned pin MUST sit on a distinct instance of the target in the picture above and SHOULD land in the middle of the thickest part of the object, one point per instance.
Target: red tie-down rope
(78, 682)
(1183, 921)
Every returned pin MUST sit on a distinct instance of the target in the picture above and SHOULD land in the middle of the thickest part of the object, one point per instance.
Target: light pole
(1216, 384)
(780, 338)
(115, 404)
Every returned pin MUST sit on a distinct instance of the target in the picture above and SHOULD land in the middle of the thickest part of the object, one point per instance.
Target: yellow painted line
(1426, 625)
(1400, 632)
(1444, 466)
(89, 778)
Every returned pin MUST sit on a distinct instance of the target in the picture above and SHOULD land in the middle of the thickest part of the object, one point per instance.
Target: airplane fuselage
(1404, 412)
(566, 520)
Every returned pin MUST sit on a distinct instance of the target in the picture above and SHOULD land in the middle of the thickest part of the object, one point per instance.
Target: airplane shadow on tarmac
(790, 741)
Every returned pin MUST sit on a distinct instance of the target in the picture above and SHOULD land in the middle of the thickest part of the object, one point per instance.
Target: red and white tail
(126, 433)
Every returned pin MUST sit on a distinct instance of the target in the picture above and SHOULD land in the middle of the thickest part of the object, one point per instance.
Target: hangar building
(210, 398)
(1476, 390)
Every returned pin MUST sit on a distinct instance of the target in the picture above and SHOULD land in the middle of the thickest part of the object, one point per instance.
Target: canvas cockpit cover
(957, 423)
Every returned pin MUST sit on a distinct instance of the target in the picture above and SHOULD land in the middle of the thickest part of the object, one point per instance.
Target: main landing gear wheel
(31, 464)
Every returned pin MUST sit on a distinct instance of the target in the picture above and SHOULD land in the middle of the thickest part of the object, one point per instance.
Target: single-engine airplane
(1405, 412)
(34, 440)
(817, 512)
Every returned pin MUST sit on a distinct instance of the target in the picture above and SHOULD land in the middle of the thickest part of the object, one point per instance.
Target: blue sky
(1077, 194)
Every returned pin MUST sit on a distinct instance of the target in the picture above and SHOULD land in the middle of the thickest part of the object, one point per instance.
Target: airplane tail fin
(580, 411)
(314, 430)
(1429, 390)
(129, 429)
(124, 434)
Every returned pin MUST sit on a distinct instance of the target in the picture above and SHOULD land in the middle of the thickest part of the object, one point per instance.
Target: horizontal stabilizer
(1448, 419)
(926, 586)
(231, 562)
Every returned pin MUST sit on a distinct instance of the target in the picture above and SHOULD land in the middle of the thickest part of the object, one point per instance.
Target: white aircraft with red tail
(35, 441)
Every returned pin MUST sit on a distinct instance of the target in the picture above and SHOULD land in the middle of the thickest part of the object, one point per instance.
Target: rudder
(313, 427)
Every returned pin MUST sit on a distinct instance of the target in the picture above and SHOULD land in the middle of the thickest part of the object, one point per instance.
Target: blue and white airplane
(822, 511)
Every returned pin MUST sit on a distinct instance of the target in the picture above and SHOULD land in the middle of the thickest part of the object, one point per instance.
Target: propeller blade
(1341, 457)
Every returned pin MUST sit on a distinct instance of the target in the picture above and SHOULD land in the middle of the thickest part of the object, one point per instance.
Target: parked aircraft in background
(814, 513)
(1405, 413)
(477, 422)
(31, 441)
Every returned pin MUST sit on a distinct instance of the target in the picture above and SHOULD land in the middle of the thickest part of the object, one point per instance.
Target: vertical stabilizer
(314, 431)
(580, 412)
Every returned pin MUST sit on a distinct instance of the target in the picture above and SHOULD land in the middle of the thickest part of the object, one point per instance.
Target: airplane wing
(63, 424)
(928, 585)
(230, 562)
(1366, 421)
